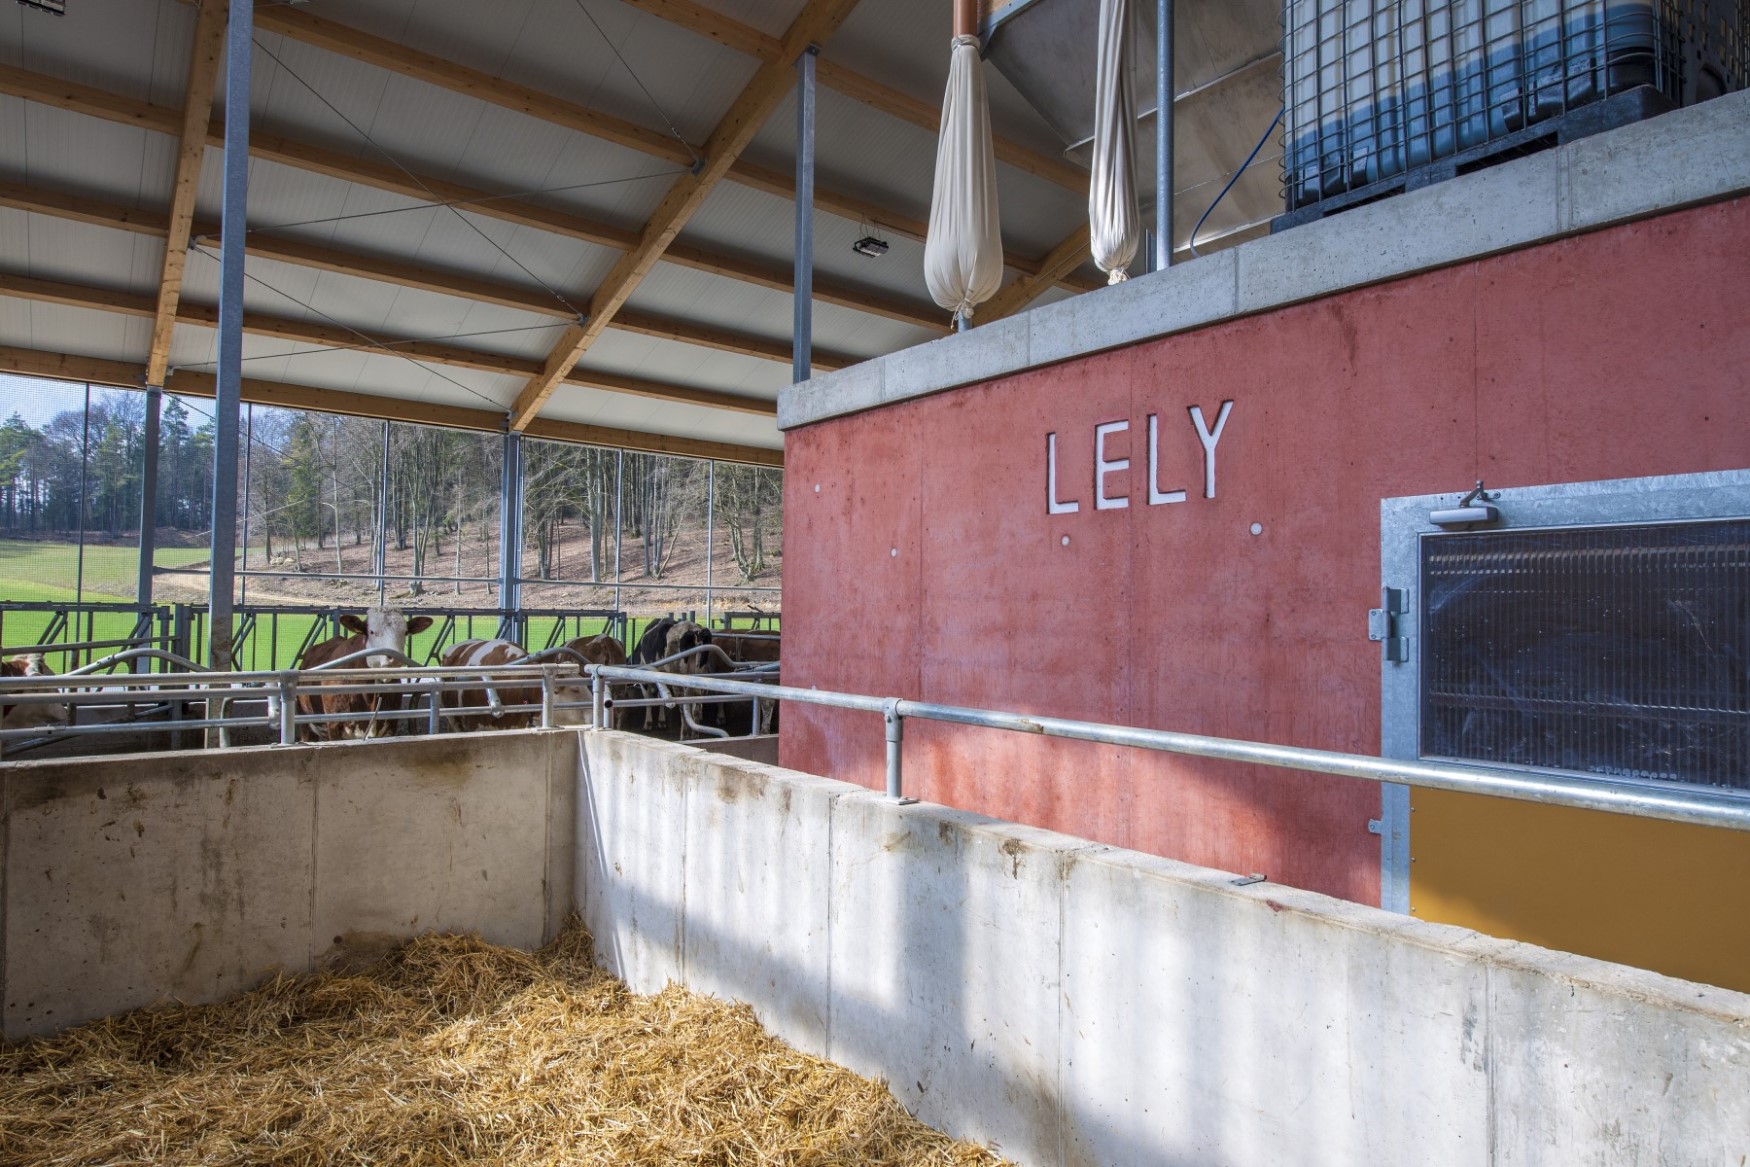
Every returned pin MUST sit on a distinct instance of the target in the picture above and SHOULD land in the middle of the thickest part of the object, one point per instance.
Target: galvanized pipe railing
(280, 691)
(1642, 798)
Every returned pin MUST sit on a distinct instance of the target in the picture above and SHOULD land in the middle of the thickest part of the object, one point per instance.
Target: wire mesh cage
(1375, 88)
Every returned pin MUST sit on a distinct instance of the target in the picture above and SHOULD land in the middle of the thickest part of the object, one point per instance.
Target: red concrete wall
(923, 563)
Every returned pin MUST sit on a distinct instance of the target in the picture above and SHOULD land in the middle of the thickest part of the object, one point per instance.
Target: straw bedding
(449, 1050)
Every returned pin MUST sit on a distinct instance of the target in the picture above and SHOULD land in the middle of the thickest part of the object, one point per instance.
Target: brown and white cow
(33, 715)
(485, 654)
(601, 649)
(378, 628)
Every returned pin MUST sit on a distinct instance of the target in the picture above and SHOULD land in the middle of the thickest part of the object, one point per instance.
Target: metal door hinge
(1385, 624)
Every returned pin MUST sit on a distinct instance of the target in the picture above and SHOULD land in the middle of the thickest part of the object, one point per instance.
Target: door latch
(1385, 624)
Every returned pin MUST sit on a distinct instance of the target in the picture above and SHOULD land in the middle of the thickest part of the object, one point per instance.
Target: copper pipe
(965, 17)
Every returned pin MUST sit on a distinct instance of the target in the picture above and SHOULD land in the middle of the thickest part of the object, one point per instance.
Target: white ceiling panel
(138, 48)
(582, 404)
(684, 364)
(86, 332)
(48, 248)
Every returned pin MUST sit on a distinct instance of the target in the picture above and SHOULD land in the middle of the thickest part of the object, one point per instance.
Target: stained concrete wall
(126, 881)
(1241, 611)
(1076, 1004)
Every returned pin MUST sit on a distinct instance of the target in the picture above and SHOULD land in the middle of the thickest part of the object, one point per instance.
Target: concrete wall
(1620, 353)
(126, 881)
(1078, 1004)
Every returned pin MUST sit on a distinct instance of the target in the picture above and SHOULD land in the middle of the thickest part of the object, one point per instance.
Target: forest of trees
(315, 493)
(98, 458)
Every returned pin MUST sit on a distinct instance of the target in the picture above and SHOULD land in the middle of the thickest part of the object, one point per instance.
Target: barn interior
(1090, 804)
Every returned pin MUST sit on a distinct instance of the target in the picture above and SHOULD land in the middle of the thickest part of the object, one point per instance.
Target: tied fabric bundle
(963, 253)
(1113, 219)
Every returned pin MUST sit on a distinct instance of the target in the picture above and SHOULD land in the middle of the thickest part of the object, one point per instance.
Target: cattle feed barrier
(278, 691)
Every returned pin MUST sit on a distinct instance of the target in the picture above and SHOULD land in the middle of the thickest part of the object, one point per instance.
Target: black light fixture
(58, 7)
(870, 246)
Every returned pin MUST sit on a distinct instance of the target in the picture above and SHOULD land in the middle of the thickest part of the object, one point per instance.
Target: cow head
(384, 628)
(683, 636)
(31, 716)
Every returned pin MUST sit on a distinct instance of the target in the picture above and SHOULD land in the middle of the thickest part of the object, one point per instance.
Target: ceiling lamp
(870, 246)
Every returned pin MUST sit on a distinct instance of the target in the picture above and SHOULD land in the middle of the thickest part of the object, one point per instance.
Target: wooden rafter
(817, 21)
(1018, 293)
(745, 38)
(344, 40)
(86, 100)
(63, 366)
(399, 273)
(197, 112)
(334, 337)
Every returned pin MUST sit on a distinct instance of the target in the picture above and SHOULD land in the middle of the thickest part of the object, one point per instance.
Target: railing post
(434, 702)
(598, 696)
(895, 728)
(547, 680)
(288, 708)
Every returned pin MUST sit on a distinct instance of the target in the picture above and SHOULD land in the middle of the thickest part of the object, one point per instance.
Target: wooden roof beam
(392, 271)
(696, 18)
(92, 102)
(197, 112)
(1022, 291)
(344, 40)
(286, 395)
(813, 25)
(335, 337)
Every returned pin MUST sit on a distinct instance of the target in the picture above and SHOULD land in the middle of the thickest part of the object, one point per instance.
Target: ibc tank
(1373, 88)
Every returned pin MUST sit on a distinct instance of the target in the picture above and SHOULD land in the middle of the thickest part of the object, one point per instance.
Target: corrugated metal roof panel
(350, 370)
(684, 364)
(86, 332)
(140, 49)
(892, 163)
(905, 44)
(582, 404)
(772, 17)
(59, 249)
(63, 149)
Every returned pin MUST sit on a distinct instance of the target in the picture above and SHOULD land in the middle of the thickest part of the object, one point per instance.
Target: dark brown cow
(382, 628)
(597, 650)
(747, 648)
(484, 654)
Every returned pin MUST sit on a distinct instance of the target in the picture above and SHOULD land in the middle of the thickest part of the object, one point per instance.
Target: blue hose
(1236, 177)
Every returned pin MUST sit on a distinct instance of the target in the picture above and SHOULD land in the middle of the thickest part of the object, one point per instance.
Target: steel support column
(710, 521)
(381, 552)
(239, 45)
(510, 533)
(149, 497)
(802, 326)
(1163, 134)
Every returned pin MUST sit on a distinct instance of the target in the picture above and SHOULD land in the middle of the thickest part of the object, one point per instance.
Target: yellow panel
(1663, 896)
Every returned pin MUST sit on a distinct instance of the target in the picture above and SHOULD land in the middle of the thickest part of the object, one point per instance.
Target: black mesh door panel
(1615, 650)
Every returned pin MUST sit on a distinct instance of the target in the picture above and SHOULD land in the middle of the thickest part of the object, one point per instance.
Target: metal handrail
(1679, 802)
(280, 689)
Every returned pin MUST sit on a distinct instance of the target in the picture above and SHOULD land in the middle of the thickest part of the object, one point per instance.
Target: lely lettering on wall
(1207, 436)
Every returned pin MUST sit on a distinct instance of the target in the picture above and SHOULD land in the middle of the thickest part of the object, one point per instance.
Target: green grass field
(43, 572)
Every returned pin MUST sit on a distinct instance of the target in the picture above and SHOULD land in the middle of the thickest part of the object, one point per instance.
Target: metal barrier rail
(1671, 801)
(280, 690)
(685, 702)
